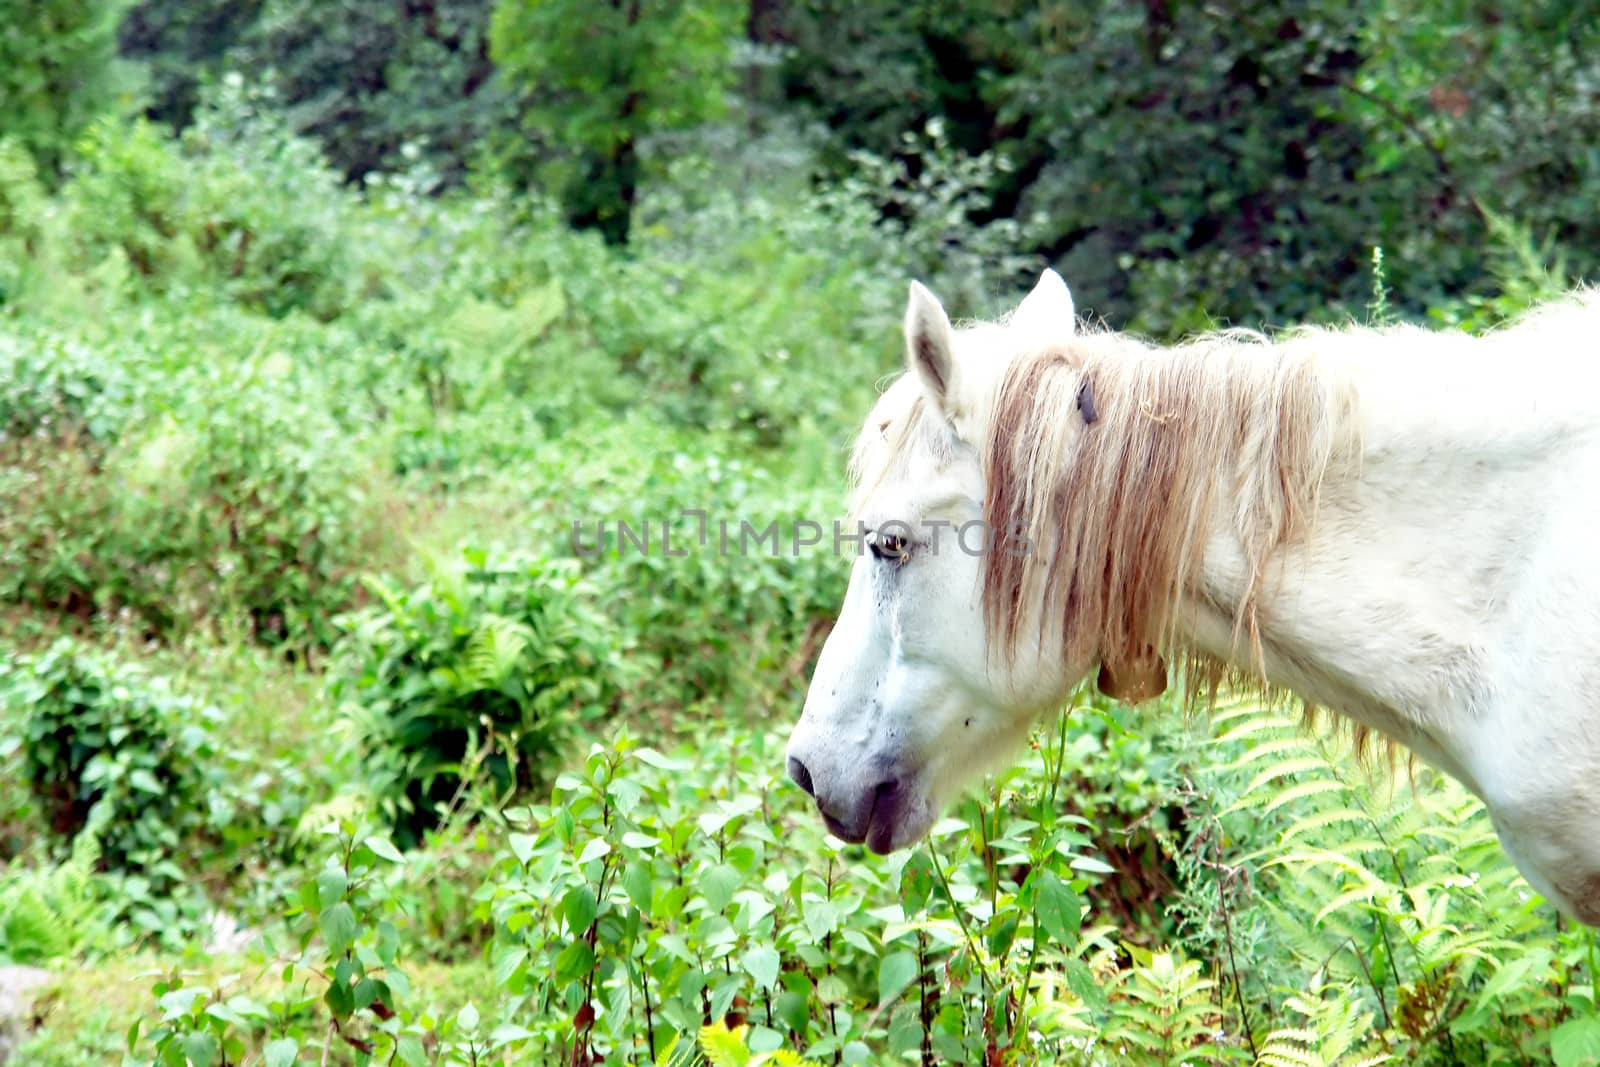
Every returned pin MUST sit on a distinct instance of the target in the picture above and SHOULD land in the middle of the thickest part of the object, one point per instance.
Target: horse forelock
(899, 430)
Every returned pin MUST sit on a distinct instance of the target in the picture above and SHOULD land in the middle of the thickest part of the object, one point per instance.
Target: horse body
(1449, 597)
(1396, 525)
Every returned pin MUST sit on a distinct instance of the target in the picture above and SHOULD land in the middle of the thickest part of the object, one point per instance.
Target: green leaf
(658, 761)
(719, 884)
(575, 961)
(506, 1033)
(761, 963)
(636, 883)
(281, 1053)
(385, 850)
(596, 848)
(522, 845)
(505, 967)
(200, 1048)
(331, 886)
(1056, 908)
(895, 971)
(1081, 981)
(409, 1049)
(338, 925)
(794, 1010)
(467, 1019)
(1002, 932)
(917, 879)
(1576, 1042)
(580, 908)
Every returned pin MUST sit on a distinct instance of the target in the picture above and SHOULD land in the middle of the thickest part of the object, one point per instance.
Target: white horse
(1399, 525)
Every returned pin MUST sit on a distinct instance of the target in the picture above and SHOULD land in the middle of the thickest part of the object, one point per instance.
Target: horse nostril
(801, 776)
(884, 788)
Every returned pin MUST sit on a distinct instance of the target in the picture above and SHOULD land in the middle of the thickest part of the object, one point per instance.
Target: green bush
(57, 386)
(105, 745)
(487, 673)
(239, 209)
(171, 497)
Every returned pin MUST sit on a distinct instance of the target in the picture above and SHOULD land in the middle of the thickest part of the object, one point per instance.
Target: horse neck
(1387, 612)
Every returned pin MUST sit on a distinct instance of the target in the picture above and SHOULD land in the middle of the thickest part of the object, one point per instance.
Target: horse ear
(1047, 312)
(930, 346)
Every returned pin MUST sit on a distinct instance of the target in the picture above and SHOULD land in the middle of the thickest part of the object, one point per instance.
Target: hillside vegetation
(345, 720)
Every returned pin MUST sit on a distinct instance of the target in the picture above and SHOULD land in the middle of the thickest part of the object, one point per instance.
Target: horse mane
(1121, 508)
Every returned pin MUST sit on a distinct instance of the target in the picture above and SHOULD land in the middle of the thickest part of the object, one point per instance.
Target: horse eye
(889, 547)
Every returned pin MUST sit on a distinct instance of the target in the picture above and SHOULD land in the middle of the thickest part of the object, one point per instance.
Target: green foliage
(641, 907)
(1406, 896)
(719, 572)
(1194, 164)
(1333, 1031)
(487, 672)
(1526, 271)
(604, 75)
(223, 506)
(57, 73)
(182, 46)
(384, 85)
(239, 202)
(107, 748)
(52, 912)
(348, 947)
(23, 207)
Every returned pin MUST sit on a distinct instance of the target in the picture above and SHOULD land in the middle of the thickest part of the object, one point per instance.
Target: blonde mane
(1121, 508)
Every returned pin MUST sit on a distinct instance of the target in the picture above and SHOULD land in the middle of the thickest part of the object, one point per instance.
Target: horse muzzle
(886, 815)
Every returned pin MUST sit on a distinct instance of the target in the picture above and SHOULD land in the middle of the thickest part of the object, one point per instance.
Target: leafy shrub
(239, 210)
(233, 506)
(1233, 163)
(107, 746)
(23, 207)
(492, 667)
(650, 900)
(383, 84)
(766, 312)
(60, 387)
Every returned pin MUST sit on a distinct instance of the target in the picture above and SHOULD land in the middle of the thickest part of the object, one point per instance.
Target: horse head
(908, 702)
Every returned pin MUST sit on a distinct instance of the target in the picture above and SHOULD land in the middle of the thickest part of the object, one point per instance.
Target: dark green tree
(58, 72)
(600, 75)
(368, 77)
(1181, 161)
(182, 45)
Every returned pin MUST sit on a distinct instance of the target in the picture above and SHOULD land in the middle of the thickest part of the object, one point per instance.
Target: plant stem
(961, 920)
